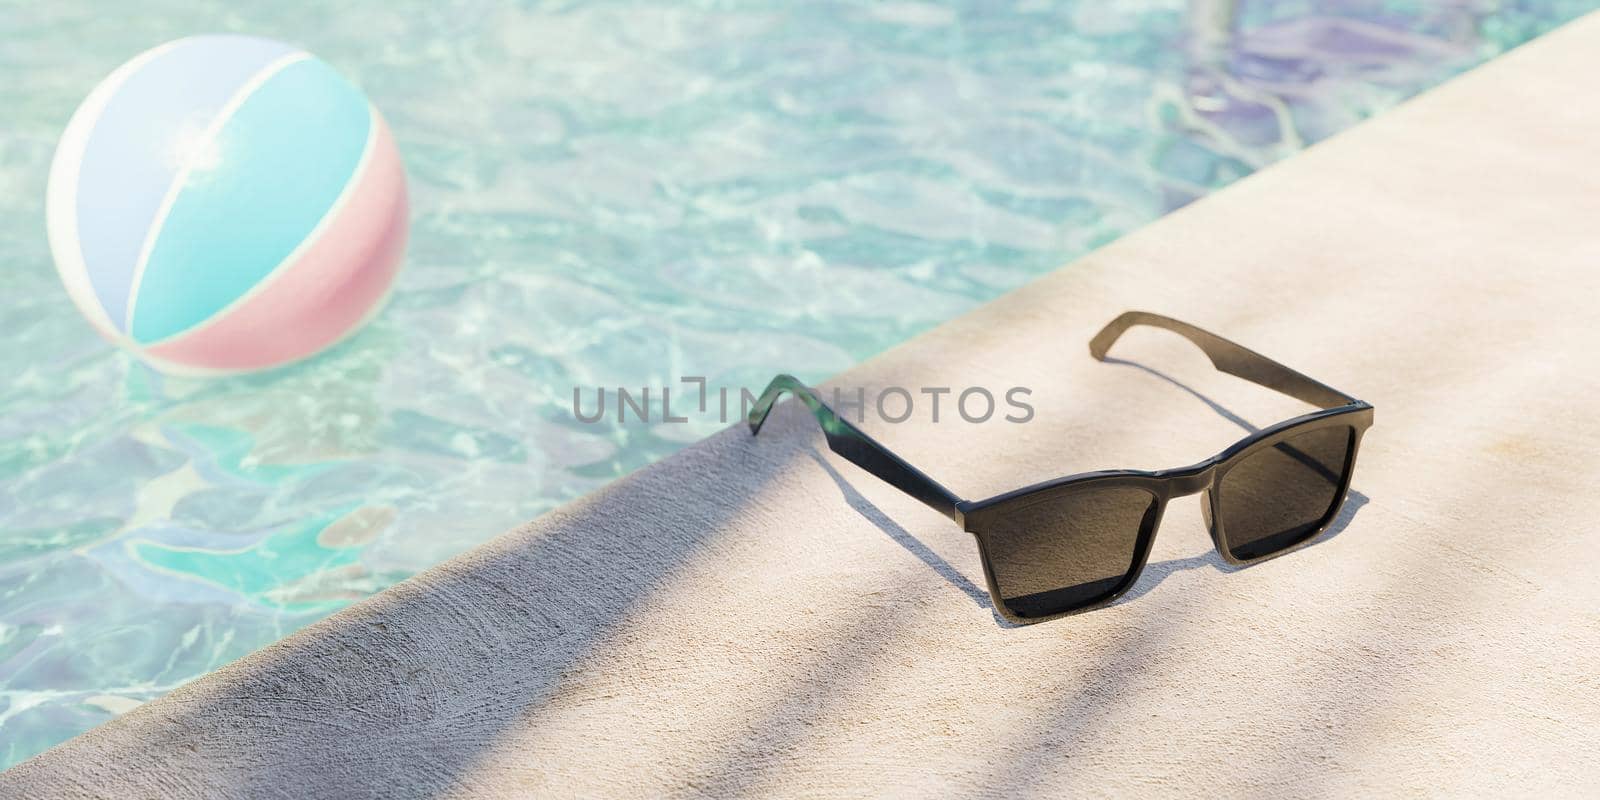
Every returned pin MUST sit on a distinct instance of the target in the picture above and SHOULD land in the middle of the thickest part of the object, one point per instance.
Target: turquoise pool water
(610, 193)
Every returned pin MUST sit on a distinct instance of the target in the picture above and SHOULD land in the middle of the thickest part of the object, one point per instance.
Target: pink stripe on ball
(325, 292)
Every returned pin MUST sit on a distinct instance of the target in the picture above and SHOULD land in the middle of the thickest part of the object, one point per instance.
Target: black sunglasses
(1076, 543)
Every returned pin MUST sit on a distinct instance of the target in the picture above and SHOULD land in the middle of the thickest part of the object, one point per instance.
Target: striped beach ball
(226, 203)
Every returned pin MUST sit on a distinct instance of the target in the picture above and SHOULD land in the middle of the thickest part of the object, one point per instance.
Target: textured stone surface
(758, 616)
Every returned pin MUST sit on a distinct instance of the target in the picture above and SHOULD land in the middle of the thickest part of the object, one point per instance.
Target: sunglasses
(1076, 543)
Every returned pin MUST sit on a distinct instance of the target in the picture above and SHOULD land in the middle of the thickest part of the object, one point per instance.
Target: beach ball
(226, 203)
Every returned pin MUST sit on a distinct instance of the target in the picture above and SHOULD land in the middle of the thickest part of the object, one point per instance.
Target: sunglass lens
(1281, 495)
(1068, 549)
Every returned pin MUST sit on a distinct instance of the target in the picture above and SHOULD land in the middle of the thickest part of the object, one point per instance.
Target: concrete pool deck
(757, 616)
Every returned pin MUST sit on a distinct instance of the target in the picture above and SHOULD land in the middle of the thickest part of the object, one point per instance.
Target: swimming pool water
(605, 194)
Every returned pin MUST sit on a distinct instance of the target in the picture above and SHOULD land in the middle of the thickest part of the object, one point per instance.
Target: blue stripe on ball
(128, 163)
(282, 161)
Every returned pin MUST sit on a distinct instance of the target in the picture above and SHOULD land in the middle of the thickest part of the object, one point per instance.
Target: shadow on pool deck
(403, 692)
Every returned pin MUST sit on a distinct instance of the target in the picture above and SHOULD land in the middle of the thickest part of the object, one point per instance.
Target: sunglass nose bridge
(1188, 480)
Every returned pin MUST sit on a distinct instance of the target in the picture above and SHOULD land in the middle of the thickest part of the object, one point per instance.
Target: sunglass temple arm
(856, 447)
(1227, 357)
